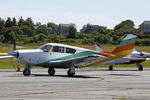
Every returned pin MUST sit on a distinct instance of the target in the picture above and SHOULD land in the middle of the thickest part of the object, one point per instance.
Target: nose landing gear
(26, 71)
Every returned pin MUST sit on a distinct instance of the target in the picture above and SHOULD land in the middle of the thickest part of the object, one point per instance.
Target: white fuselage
(42, 55)
(37, 56)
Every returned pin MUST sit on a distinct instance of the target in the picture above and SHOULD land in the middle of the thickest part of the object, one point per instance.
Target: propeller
(15, 53)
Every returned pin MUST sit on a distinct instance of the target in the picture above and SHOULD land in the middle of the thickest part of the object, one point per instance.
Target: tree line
(26, 31)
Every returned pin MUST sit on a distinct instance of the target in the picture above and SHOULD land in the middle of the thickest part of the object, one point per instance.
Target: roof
(146, 22)
(58, 44)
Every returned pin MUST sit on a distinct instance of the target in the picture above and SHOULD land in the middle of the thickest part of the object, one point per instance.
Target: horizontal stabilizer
(6, 57)
(98, 47)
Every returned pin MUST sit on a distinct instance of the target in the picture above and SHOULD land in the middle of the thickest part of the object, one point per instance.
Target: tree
(125, 27)
(125, 24)
(14, 22)
(103, 30)
(29, 21)
(42, 29)
(27, 30)
(140, 29)
(8, 22)
(41, 37)
(2, 24)
(16, 30)
(53, 26)
(72, 31)
(21, 21)
(85, 28)
(2, 38)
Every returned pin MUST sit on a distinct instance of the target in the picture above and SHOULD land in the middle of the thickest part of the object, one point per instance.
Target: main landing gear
(26, 71)
(111, 67)
(71, 71)
(139, 66)
(51, 71)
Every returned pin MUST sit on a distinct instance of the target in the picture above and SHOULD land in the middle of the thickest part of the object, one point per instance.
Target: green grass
(12, 64)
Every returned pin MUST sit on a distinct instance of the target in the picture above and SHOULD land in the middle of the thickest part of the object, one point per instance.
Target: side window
(58, 49)
(70, 50)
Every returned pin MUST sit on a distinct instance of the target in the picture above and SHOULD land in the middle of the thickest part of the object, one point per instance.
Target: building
(62, 28)
(146, 27)
(93, 28)
(90, 28)
(50, 30)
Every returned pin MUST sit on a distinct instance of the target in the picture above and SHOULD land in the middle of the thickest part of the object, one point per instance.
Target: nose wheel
(51, 71)
(26, 72)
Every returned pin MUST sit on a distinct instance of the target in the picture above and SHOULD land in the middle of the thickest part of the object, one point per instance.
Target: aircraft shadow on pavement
(76, 76)
(109, 70)
(123, 75)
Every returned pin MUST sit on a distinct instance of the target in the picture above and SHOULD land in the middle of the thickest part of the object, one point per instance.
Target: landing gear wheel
(70, 74)
(140, 68)
(26, 72)
(51, 71)
(111, 67)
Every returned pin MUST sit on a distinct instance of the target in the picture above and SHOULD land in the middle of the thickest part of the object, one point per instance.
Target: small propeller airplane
(136, 57)
(54, 55)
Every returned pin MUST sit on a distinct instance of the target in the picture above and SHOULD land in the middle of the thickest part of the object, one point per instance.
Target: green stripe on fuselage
(73, 56)
(77, 55)
(126, 42)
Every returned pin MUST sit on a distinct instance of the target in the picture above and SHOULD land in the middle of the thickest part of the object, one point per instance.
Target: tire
(70, 74)
(110, 67)
(140, 68)
(51, 71)
(26, 72)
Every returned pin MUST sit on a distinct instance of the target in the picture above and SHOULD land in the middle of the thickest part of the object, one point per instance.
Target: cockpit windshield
(58, 49)
(46, 48)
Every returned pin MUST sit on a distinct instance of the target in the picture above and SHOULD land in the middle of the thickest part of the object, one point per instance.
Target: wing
(147, 59)
(78, 62)
(6, 57)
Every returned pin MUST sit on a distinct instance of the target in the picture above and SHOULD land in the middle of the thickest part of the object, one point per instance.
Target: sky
(80, 12)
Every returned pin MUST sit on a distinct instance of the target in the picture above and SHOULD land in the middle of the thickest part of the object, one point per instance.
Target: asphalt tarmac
(88, 84)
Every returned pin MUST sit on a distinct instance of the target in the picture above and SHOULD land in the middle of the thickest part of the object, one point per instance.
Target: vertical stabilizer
(126, 46)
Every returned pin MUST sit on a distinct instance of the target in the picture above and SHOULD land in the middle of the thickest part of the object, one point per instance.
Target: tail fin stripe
(126, 42)
(123, 48)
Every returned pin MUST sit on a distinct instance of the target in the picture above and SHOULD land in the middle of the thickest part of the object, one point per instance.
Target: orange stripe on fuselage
(117, 55)
(105, 54)
(123, 48)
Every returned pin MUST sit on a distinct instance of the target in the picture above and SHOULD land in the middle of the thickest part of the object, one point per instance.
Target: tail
(98, 47)
(126, 46)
